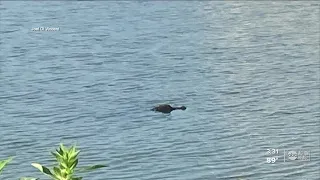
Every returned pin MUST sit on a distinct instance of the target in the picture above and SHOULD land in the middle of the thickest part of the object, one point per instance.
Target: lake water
(248, 73)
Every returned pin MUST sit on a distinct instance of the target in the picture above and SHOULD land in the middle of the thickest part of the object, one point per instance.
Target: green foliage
(67, 161)
(3, 163)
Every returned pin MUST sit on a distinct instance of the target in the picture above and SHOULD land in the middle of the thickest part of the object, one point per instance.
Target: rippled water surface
(248, 73)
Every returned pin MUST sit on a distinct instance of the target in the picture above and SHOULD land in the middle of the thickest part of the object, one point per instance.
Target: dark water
(248, 73)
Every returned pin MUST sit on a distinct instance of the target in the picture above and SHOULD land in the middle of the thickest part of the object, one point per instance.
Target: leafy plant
(3, 163)
(67, 159)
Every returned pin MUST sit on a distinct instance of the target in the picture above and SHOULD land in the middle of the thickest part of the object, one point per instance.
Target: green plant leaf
(90, 168)
(56, 171)
(3, 163)
(74, 164)
(43, 169)
(76, 153)
(77, 178)
(67, 159)
(57, 156)
(72, 150)
(63, 165)
(62, 148)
